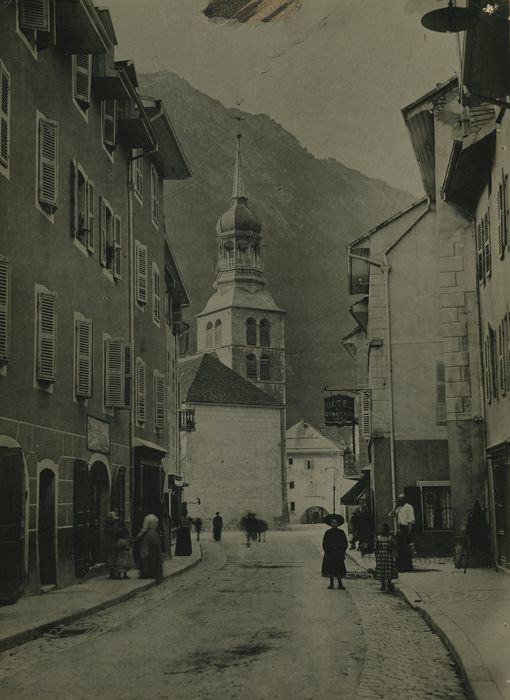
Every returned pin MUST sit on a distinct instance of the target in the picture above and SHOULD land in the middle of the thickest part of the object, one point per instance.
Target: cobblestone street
(255, 622)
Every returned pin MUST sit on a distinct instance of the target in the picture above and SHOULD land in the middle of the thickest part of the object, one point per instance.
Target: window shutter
(91, 216)
(366, 414)
(140, 391)
(128, 376)
(114, 373)
(82, 78)
(159, 401)
(501, 245)
(501, 358)
(117, 247)
(155, 194)
(5, 102)
(156, 301)
(507, 350)
(102, 236)
(479, 252)
(83, 345)
(487, 243)
(504, 204)
(440, 394)
(109, 122)
(487, 375)
(141, 273)
(5, 279)
(35, 14)
(46, 336)
(48, 149)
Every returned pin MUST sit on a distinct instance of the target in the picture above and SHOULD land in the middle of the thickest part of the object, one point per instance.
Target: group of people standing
(119, 545)
(392, 553)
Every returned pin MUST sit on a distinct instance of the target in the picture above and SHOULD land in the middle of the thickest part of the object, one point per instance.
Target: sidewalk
(470, 612)
(32, 616)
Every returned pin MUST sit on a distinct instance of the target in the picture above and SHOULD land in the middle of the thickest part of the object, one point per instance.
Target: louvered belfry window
(159, 401)
(109, 121)
(46, 336)
(81, 73)
(83, 360)
(141, 272)
(48, 163)
(5, 115)
(5, 321)
(141, 396)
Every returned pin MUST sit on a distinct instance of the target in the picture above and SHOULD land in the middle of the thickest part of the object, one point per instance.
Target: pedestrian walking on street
(217, 526)
(118, 547)
(334, 544)
(404, 513)
(183, 546)
(385, 558)
(197, 522)
(151, 563)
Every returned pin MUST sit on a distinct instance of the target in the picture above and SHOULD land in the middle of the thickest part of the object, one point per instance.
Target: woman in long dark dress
(335, 545)
(151, 563)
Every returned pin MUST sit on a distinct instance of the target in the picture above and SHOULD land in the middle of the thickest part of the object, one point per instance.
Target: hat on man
(334, 516)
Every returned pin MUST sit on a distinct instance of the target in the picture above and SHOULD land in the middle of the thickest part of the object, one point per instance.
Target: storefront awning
(149, 445)
(354, 494)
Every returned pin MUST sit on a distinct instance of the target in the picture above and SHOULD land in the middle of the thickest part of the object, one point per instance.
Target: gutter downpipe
(131, 295)
(385, 268)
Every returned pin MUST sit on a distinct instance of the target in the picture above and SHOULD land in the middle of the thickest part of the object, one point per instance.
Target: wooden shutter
(366, 414)
(117, 247)
(106, 234)
(487, 244)
(35, 15)
(487, 374)
(5, 104)
(114, 373)
(5, 321)
(140, 391)
(83, 345)
(156, 299)
(141, 273)
(128, 376)
(109, 122)
(91, 223)
(480, 263)
(501, 358)
(82, 78)
(440, 394)
(159, 401)
(48, 170)
(46, 336)
(155, 194)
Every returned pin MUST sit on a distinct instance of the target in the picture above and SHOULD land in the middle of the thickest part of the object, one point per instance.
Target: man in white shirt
(404, 512)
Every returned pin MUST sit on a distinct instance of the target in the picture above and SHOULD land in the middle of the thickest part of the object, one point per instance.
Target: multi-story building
(76, 142)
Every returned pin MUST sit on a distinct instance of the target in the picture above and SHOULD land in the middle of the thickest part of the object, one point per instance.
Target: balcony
(187, 420)
(240, 262)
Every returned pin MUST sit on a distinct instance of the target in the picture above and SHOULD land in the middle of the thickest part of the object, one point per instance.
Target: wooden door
(46, 532)
(81, 517)
(12, 525)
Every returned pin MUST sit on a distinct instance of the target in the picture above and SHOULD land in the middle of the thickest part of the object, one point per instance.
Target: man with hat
(404, 513)
(335, 545)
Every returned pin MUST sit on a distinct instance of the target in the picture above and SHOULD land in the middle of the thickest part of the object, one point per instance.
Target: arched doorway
(46, 529)
(314, 514)
(99, 507)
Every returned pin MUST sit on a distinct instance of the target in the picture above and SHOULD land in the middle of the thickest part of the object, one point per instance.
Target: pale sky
(335, 75)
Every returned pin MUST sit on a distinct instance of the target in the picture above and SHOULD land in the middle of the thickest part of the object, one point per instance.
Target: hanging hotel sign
(339, 410)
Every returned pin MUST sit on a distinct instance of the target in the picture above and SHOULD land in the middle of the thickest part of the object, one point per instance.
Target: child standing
(385, 562)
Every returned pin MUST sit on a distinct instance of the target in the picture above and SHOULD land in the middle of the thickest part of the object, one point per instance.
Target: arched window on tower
(251, 367)
(265, 333)
(251, 331)
(217, 333)
(265, 368)
(209, 335)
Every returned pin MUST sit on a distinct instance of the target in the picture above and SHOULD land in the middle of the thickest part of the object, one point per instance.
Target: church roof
(204, 379)
(303, 437)
(239, 297)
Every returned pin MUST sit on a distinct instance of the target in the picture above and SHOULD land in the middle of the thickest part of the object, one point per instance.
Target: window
(251, 331)
(46, 337)
(156, 296)
(309, 464)
(436, 508)
(138, 172)
(292, 506)
(5, 320)
(111, 239)
(440, 394)
(154, 195)
(109, 123)
(291, 460)
(159, 400)
(506, 349)
(502, 214)
(501, 359)
(209, 335)
(217, 333)
(35, 21)
(140, 390)
(117, 373)
(483, 248)
(117, 248)
(291, 484)
(81, 204)
(265, 333)
(141, 272)
(83, 357)
(265, 368)
(47, 184)
(5, 117)
(251, 367)
(490, 366)
(81, 80)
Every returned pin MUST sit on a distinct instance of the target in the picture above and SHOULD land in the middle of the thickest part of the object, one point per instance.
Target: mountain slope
(310, 210)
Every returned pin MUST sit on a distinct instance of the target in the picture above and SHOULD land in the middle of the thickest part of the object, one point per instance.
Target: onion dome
(239, 217)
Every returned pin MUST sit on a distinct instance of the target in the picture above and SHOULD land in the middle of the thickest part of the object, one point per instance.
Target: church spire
(238, 190)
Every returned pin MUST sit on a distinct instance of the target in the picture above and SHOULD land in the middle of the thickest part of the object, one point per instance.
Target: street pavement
(255, 622)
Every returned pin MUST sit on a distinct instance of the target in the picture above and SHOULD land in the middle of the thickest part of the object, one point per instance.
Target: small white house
(315, 474)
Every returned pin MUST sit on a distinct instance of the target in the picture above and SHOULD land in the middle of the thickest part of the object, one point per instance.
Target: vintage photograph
(254, 349)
